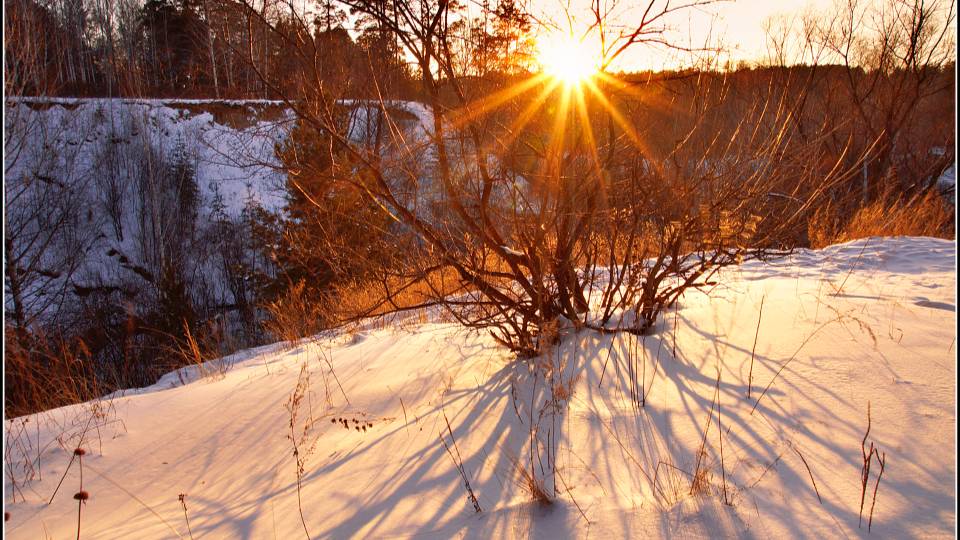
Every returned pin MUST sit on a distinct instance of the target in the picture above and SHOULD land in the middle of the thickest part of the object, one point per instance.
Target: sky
(737, 25)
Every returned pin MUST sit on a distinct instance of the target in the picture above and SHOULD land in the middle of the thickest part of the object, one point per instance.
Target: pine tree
(327, 232)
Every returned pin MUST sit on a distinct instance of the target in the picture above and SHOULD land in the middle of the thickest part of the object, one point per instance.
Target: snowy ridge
(101, 159)
(102, 162)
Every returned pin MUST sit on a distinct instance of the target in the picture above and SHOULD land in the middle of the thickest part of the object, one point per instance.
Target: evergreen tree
(327, 233)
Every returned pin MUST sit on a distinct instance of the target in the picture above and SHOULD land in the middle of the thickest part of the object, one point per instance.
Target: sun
(566, 59)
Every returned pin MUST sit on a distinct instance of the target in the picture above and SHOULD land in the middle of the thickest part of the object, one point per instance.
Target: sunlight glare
(567, 59)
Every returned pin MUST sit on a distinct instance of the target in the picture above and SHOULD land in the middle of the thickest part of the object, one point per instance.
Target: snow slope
(871, 321)
(231, 142)
(83, 179)
(93, 167)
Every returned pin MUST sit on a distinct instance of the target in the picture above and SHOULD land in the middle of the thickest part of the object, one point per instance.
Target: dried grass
(294, 315)
(42, 373)
(889, 215)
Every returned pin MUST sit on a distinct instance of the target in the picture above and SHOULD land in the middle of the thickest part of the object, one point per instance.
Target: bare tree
(896, 56)
(47, 226)
(506, 214)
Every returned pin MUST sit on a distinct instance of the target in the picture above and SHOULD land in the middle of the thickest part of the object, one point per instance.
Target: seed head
(81, 496)
(79, 452)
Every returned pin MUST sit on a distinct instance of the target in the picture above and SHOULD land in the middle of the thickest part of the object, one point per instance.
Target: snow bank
(235, 160)
(96, 170)
(947, 183)
(871, 321)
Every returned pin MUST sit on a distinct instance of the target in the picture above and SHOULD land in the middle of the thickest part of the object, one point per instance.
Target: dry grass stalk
(700, 482)
(43, 373)
(458, 463)
(293, 315)
(183, 502)
(868, 457)
(753, 350)
(533, 485)
(300, 452)
(809, 472)
(674, 483)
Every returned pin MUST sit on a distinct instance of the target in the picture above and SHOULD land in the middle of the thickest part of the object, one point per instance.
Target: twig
(767, 469)
(784, 365)
(83, 434)
(852, 268)
(567, 489)
(458, 462)
(883, 462)
(817, 491)
(39, 467)
(405, 421)
(327, 360)
(865, 470)
(134, 497)
(754, 349)
(183, 503)
(73, 457)
(605, 362)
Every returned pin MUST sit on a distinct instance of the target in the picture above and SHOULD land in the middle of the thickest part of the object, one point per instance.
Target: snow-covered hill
(866, 324)
(96, 190)
(93, 187)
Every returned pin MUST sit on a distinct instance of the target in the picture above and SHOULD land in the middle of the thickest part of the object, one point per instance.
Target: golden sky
(737, 26)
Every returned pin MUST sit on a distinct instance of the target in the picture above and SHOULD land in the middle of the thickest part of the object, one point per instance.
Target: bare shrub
(546, 221)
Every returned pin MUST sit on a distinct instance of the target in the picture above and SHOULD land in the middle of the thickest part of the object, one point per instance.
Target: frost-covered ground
(93, 186)
(947, 183)
(91, 189)
(868, 322)
(230, 143)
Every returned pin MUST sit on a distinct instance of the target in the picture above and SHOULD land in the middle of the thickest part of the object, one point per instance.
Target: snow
(93, 156)
(96, 155)
(947, 183)
(870, 321)
(238, 162)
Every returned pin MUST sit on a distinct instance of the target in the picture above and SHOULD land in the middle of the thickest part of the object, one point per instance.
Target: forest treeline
(892, 87)
(221, 48)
